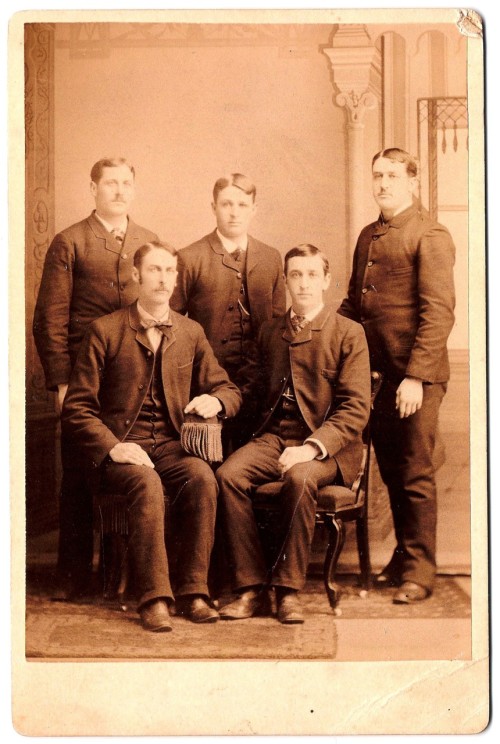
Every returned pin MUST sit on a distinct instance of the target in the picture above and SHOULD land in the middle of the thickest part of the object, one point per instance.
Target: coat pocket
(330, 375)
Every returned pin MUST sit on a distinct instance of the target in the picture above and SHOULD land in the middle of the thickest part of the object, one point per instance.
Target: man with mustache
(401, 291)
(139, 372)
(87, 274)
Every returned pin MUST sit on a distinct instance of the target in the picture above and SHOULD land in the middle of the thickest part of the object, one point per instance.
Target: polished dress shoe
(197, 609)
(289, 608)
(410, 592)
(155, 616)
(249, 604)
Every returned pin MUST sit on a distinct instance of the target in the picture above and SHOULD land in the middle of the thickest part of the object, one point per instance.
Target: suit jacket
(204, 287)
(86, 274)
(113, 372)
(401, 290)
(329, 365)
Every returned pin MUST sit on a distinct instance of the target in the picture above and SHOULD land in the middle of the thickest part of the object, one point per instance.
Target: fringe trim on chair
(203, 440)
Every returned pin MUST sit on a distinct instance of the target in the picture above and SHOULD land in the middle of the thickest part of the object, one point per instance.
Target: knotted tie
(298, 322)
(118, 235)
(162, 325)
(237, 254)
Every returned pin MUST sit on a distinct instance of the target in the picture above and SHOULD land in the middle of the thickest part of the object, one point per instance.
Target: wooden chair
(336, 505)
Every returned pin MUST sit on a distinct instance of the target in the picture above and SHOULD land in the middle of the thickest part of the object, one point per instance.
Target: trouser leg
(146, 511)
(298, 518)
(405, 449)
(192, 502)
(248, 467)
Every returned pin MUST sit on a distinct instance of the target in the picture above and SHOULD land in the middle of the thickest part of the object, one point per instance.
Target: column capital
(354, 61)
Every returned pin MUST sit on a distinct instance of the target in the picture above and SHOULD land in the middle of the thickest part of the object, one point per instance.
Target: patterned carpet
(101, 629)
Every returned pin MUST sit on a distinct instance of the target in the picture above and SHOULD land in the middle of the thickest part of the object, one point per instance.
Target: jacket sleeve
(436, 299)
(80, 418)
(279, 292)
(351, 406)
(210, 378)
(52, 312)
(180, 296)
(348, 307)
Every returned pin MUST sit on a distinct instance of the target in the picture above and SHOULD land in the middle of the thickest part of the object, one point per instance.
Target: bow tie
(298, 322)
(238, 253)
(118, 234)
(162, 325)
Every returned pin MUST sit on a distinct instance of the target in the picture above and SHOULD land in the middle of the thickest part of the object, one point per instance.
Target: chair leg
(364, 552)
(336, 538)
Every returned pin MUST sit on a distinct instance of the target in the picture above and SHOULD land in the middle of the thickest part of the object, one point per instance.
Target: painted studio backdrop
(300, 109)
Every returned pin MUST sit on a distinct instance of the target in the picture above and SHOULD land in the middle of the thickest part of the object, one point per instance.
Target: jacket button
(375, 237)
(364, 290)
(124, 256)
(149, 353)
(239, 274)
(224, 341)
(122, 287)
(370, 263)
(141, 387)
(127, 422)
(111, 284)
(231, 307)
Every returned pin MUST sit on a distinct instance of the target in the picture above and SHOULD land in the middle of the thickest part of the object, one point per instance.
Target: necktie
(162, 325)
(237, 254)
(298, 322)
(118, 235)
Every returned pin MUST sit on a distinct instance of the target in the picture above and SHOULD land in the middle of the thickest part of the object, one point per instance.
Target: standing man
(231, 283)
(401, 290)
(314, 387)
(87, 273)
(140, 370)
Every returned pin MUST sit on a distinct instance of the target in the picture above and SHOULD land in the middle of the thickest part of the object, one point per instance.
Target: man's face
(306, 281)
(156, 278)
(114, 193)
(393, 188)
(233, 211)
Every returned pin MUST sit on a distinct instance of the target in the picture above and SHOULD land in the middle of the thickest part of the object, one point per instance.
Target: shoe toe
(410, 592)
(290, 610)
(155, 617)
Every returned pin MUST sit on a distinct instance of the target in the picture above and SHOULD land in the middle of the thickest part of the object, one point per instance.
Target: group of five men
(136, 338)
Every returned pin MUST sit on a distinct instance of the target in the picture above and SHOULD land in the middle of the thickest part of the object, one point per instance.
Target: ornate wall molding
(39, 133)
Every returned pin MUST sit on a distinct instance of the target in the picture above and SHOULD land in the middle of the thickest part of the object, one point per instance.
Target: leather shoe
(197, 609)
(155, 616)
(289, 608)
(248, 604)
(410, 592)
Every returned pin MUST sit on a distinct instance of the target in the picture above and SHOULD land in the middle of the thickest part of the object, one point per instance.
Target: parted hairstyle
(234, 179)
(97, 168)
(306, 249)
(148, 247)
(400, 156)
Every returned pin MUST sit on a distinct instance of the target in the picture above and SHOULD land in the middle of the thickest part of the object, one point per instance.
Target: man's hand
(409, 397)
(61, 394)
(204, 405)
(293, 455)
(131, 454)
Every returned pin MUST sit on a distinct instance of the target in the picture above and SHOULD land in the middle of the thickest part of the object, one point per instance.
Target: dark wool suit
(86, 274)
(107, 392)
(205, 290)
(401, 290)
(327, 362)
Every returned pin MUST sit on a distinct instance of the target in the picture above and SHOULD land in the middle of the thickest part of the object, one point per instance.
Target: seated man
(315, 382)
(127, 399)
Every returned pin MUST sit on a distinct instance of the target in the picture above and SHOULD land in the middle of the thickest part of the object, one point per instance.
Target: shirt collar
(144, 315)
(230, 245)
(122, 226)
(311, 314)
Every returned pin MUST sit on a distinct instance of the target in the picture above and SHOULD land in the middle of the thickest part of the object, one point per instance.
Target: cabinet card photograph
(250, 491)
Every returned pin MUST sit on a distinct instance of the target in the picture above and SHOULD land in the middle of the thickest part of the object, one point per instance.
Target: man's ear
(135, 275)
(93, 188)
(328, 279)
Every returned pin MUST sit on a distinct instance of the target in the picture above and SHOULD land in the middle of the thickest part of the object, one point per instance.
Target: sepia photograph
(254, 472)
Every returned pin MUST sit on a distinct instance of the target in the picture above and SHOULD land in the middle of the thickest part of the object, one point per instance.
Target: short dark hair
(400, 156)
(148, 247)
(234, 179)
(97, 168)
(306, 249)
